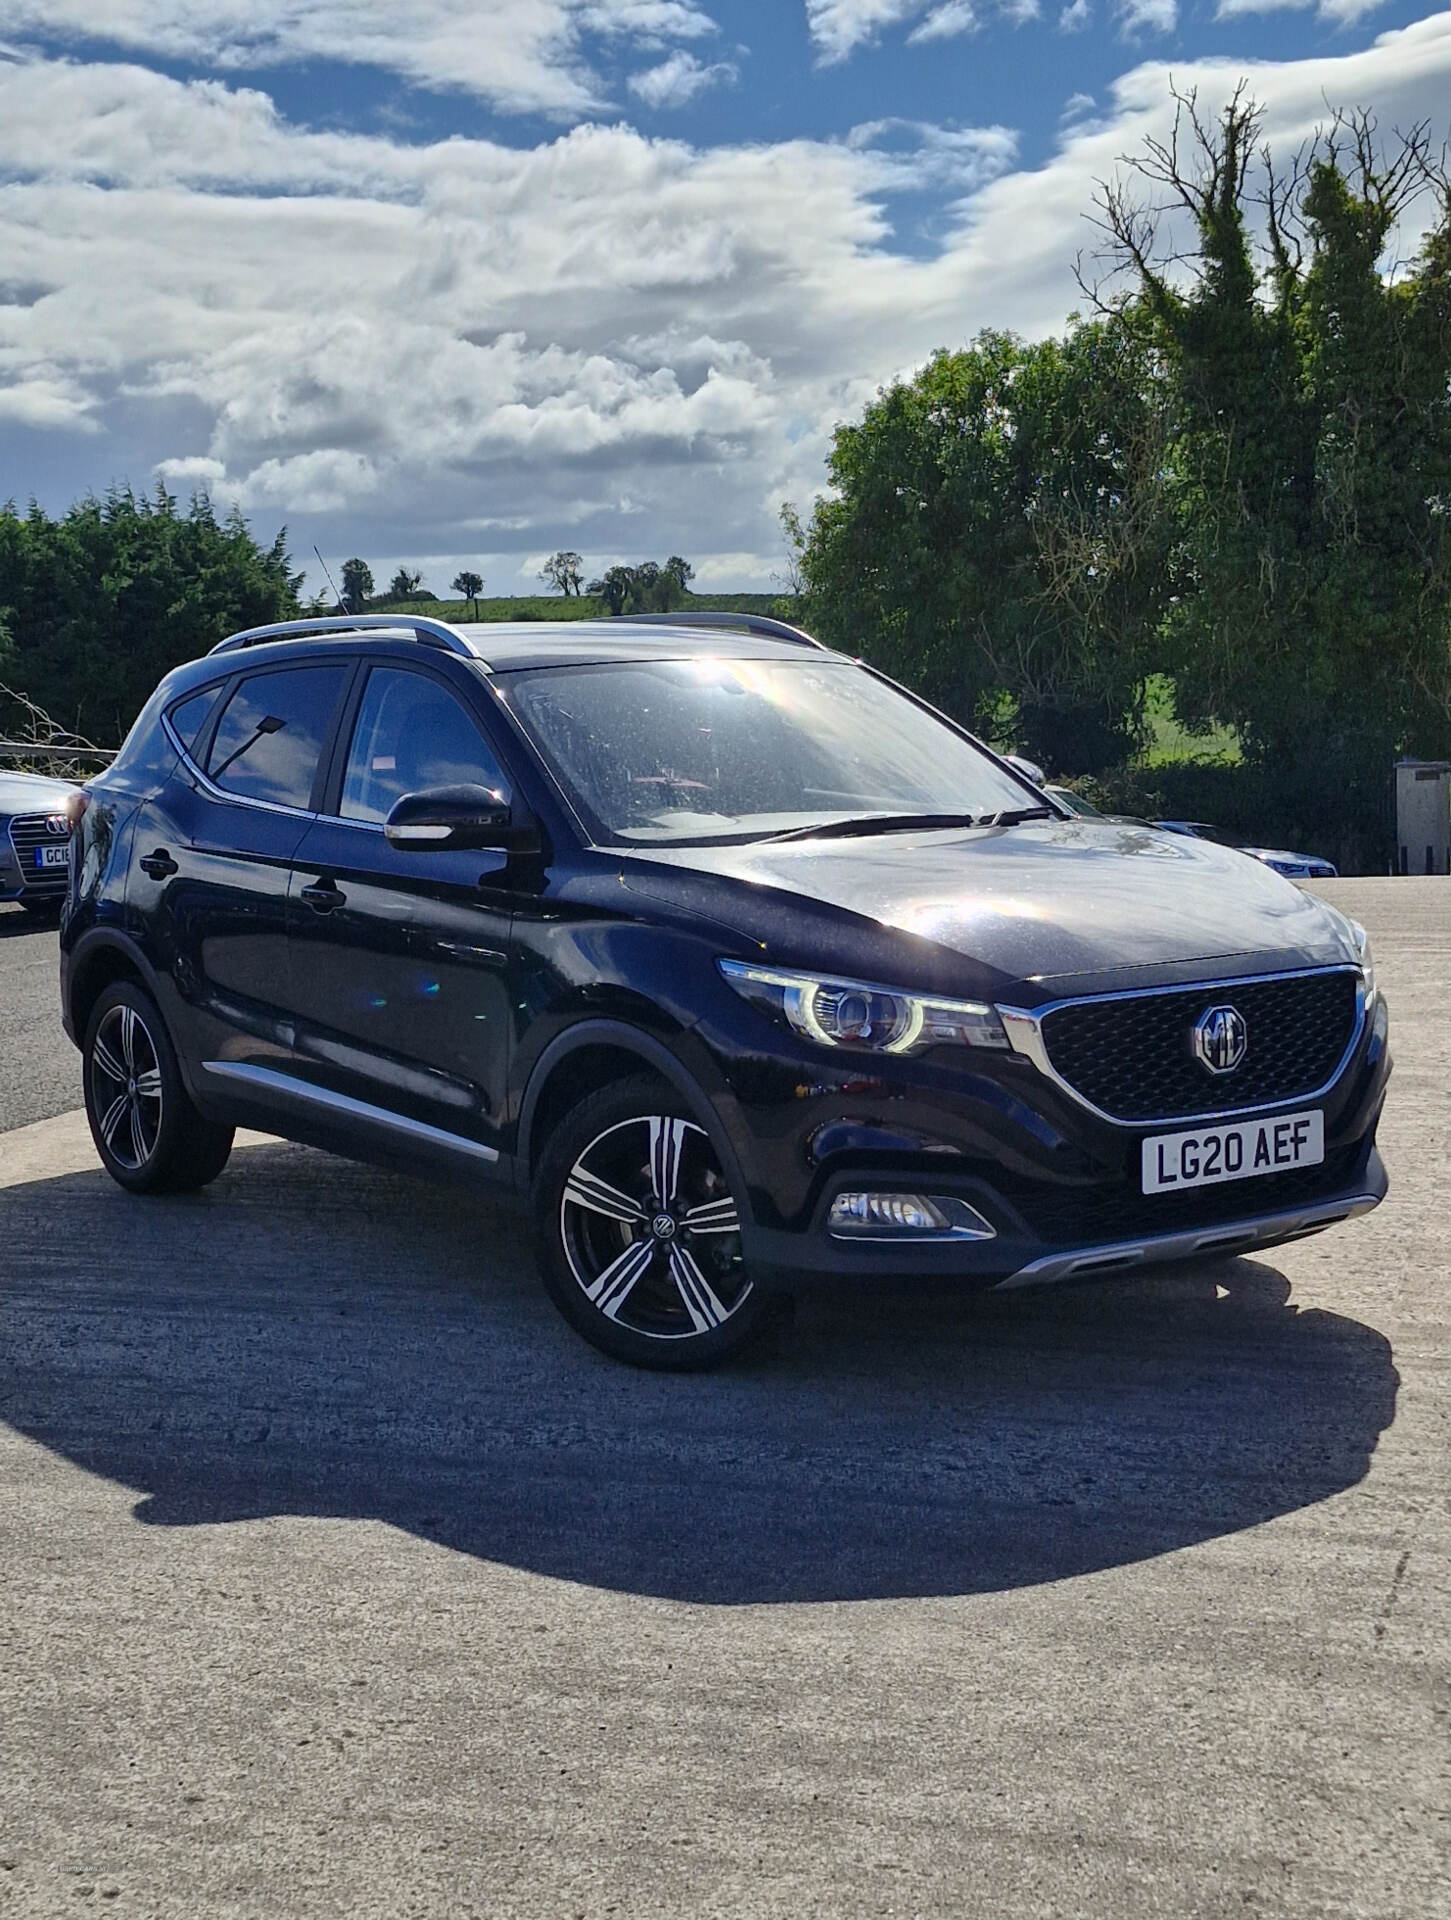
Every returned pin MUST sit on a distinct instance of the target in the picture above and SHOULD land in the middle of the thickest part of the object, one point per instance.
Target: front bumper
(1059, 1184)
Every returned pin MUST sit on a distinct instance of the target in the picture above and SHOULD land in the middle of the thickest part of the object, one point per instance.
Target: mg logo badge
(1221, 1039)
(57, 824)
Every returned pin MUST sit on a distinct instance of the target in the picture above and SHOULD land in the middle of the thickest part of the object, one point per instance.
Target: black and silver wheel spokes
(652, 1232)
(126, 1088)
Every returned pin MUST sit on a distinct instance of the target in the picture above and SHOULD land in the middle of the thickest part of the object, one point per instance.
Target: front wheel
(149, 1135)
(640, 1234)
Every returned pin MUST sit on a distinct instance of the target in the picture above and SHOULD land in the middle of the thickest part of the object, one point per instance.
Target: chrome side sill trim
(1235, 1236)
(286, 1084)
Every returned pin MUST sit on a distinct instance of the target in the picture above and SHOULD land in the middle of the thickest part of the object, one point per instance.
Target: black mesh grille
(1092, 1216)
(1133, 1057)
(27, 832)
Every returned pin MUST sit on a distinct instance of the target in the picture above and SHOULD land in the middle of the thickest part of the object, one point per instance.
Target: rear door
(212, 855)
(400, 958)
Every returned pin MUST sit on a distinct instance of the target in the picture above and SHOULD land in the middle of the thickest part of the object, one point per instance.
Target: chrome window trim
(214, 792)
(1024, 1028)
(271, 1081)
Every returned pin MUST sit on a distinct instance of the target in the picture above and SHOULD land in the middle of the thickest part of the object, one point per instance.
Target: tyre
(639, 1232)
(149, 1135)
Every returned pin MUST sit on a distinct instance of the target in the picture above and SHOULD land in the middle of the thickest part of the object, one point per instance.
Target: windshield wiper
(876, 823)
(908, 822)
(1013, 816)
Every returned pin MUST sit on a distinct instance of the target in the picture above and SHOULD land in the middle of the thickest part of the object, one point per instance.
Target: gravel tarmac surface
(42, 1070)
(339, 1578)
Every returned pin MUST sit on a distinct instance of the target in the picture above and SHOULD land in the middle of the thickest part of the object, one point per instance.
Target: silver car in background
(35, 841)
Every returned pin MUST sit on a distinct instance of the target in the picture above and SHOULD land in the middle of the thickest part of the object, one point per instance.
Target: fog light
(882, 1216)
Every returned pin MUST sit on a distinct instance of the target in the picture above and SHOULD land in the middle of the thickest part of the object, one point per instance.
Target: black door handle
(323, 897)
(159, 865)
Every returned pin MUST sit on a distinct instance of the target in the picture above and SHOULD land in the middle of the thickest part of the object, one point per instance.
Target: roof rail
(428, 633)
(741, 622)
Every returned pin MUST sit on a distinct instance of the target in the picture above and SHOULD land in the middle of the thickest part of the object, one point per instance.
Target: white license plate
(1239, 1151)
(53, 856)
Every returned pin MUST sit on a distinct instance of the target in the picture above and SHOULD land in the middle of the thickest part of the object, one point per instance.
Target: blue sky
(594, 273)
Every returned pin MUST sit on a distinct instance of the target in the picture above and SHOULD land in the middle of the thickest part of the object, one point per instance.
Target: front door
(399, 957)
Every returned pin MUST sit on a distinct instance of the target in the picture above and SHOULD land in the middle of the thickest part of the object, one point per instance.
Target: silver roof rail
(741, 622)
(428, 633)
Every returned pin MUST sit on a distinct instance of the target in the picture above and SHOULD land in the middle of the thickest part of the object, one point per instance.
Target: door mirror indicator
(449, 819)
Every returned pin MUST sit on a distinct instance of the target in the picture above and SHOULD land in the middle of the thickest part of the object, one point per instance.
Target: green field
(554, 606)
(1169, 744)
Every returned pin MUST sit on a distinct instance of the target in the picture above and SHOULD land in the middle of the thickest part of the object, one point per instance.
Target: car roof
(505, 646)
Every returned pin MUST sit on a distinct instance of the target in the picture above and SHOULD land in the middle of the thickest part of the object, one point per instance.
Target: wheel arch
(594, 1053)
(100, 959)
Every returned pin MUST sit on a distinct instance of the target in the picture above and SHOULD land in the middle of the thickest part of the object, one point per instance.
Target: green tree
(111, 596)
(357, 584)
(1311, 463)
(470, 585)
(614, 587)
(997, 536)
(564, 570)
(404, 584)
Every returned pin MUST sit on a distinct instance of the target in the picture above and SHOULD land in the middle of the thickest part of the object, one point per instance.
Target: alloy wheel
(651, 1231)
(126, 1093)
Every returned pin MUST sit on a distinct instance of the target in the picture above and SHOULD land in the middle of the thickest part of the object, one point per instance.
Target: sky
(456, 283)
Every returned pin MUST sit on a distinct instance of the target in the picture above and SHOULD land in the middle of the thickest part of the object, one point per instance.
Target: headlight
(1362, 947)
(852, 1013)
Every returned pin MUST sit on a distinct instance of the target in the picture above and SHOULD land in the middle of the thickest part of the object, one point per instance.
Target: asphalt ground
(338, 1577)
(39, 1068)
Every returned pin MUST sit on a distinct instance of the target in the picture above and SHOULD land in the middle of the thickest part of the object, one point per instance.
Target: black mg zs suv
(737, 963)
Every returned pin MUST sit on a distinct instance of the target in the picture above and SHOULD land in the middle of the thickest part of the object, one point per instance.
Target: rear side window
(271, 733)
(189, 716)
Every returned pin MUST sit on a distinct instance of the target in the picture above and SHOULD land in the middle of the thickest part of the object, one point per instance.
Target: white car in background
(1294, 866)
(35, 841)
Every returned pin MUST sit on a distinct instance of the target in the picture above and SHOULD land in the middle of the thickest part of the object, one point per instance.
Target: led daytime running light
(834, 1013)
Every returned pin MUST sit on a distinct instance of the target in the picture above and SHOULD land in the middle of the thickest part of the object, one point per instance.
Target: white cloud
(1147, 16)
(677, 80)
(945, 23)
(1341, 12)
(521, 55)
(839, 27)
(1077, 15)
(604, 341)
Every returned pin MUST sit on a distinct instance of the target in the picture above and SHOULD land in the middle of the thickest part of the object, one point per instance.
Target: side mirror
(449, 819)
(1029, 769)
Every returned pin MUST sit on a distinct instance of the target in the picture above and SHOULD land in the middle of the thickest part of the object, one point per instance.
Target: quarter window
(411, 733)
(189, 716)
(271, 733)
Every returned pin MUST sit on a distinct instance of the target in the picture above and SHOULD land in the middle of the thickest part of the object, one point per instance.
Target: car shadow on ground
(15, 921)
(311, 1337)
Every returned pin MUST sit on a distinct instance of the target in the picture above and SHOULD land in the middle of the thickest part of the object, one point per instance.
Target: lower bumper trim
(1199, 1243)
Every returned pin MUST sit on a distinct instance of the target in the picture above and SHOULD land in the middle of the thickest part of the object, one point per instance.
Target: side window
(411, 733)
(189, 716)
(271, 734)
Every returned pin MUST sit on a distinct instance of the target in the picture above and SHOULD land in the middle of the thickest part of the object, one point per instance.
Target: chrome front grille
(1132, 1056)
(27, 832)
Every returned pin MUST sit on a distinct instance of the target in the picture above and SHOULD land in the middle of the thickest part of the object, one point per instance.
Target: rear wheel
(148, 1132)
(640, 1241)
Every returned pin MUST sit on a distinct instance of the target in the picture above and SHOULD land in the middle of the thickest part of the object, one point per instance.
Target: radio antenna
(328, 577)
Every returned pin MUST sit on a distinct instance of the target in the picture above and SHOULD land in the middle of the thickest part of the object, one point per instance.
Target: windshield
(694, 750)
